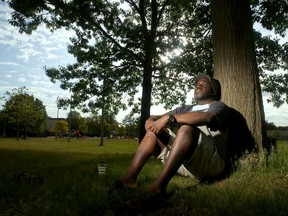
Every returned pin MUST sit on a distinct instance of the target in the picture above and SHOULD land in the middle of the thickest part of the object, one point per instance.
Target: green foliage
(272, 14)
(278, 85)
(157, 45)
(61, 126)
(271, 54)
(115, 42)
(76, 120)
(275, 134)
(53, 177)
(24, 111)
(119, 47)
(91, 125)
(131, 124)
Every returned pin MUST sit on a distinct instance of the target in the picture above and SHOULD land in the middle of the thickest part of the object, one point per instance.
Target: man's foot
(155, 191)
(145, 202)
(120, 184)
(129, 183)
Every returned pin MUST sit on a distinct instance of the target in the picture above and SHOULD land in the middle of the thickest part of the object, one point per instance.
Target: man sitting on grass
(198, 149)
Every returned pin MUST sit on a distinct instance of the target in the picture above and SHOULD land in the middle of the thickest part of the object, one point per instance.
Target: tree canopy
(158, 45)
(25, 111)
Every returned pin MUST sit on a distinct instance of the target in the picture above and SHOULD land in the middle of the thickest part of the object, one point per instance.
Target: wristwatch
(172, 120)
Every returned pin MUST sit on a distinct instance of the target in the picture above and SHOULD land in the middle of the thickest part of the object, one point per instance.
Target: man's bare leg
(182, 148)
(145, 150)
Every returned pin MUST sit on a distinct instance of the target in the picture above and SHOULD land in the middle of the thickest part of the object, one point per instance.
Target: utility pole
(57, 121)
(70, 117)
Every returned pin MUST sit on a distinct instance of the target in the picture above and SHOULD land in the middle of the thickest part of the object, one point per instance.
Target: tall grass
(56, 177)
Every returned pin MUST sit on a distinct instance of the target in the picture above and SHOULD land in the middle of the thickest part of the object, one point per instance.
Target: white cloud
(8, 75)
(46, 84)
(28, 53)
(49, 56)
(22, 79)
(41, 44)
(50, 49)
(9, 63)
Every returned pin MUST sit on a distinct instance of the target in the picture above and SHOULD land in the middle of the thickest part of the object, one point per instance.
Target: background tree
(270, 125)
(131, 124)
(93, 124)
(83, 126)
(3, 122)
(76, 120)
(159, 45)
(271, 54)
(123, 44)
(26, 112)
(41, 117)
(61, 126)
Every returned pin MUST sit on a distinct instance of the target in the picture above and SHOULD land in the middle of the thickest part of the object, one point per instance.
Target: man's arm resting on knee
(156, 124)
(195, 118)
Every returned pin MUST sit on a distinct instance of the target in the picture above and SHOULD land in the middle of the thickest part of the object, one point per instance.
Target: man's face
(203, 89)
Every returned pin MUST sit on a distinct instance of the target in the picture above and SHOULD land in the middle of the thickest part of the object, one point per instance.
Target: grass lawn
(47, 177)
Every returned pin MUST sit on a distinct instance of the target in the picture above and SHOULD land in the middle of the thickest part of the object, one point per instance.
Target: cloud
(49, 56)
(41, 44)
(44, 83)
(22, 79)
(28, 53)
(9, 63)
(8, 75)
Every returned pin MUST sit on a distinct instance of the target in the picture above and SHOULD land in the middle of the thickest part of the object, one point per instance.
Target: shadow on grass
(50, 183)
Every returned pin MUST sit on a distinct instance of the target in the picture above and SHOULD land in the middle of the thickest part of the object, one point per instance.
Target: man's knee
(188, 134)
(188, 130)
(150, 136)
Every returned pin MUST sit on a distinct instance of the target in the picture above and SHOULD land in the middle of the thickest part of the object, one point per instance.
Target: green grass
(56, 177)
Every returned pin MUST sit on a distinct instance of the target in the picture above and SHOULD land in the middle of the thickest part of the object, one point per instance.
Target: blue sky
(23, 57)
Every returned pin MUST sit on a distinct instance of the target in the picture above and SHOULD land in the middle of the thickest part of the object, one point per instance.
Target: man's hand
(156, 126)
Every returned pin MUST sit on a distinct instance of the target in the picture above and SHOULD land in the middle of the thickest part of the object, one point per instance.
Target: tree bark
(235, 62)
(146, 99)
(150, 53)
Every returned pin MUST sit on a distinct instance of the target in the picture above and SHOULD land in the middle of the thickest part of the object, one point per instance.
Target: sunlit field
(55, 177)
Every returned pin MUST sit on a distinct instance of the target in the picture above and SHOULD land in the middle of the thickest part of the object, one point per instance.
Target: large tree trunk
(235, 62)
(147, 86)
(150, 53)
(146, 101)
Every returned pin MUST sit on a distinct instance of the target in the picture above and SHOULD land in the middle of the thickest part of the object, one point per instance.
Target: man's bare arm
(195, 118)
(156, 124)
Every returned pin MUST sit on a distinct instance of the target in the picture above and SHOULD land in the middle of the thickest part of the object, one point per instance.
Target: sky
(23, 58)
